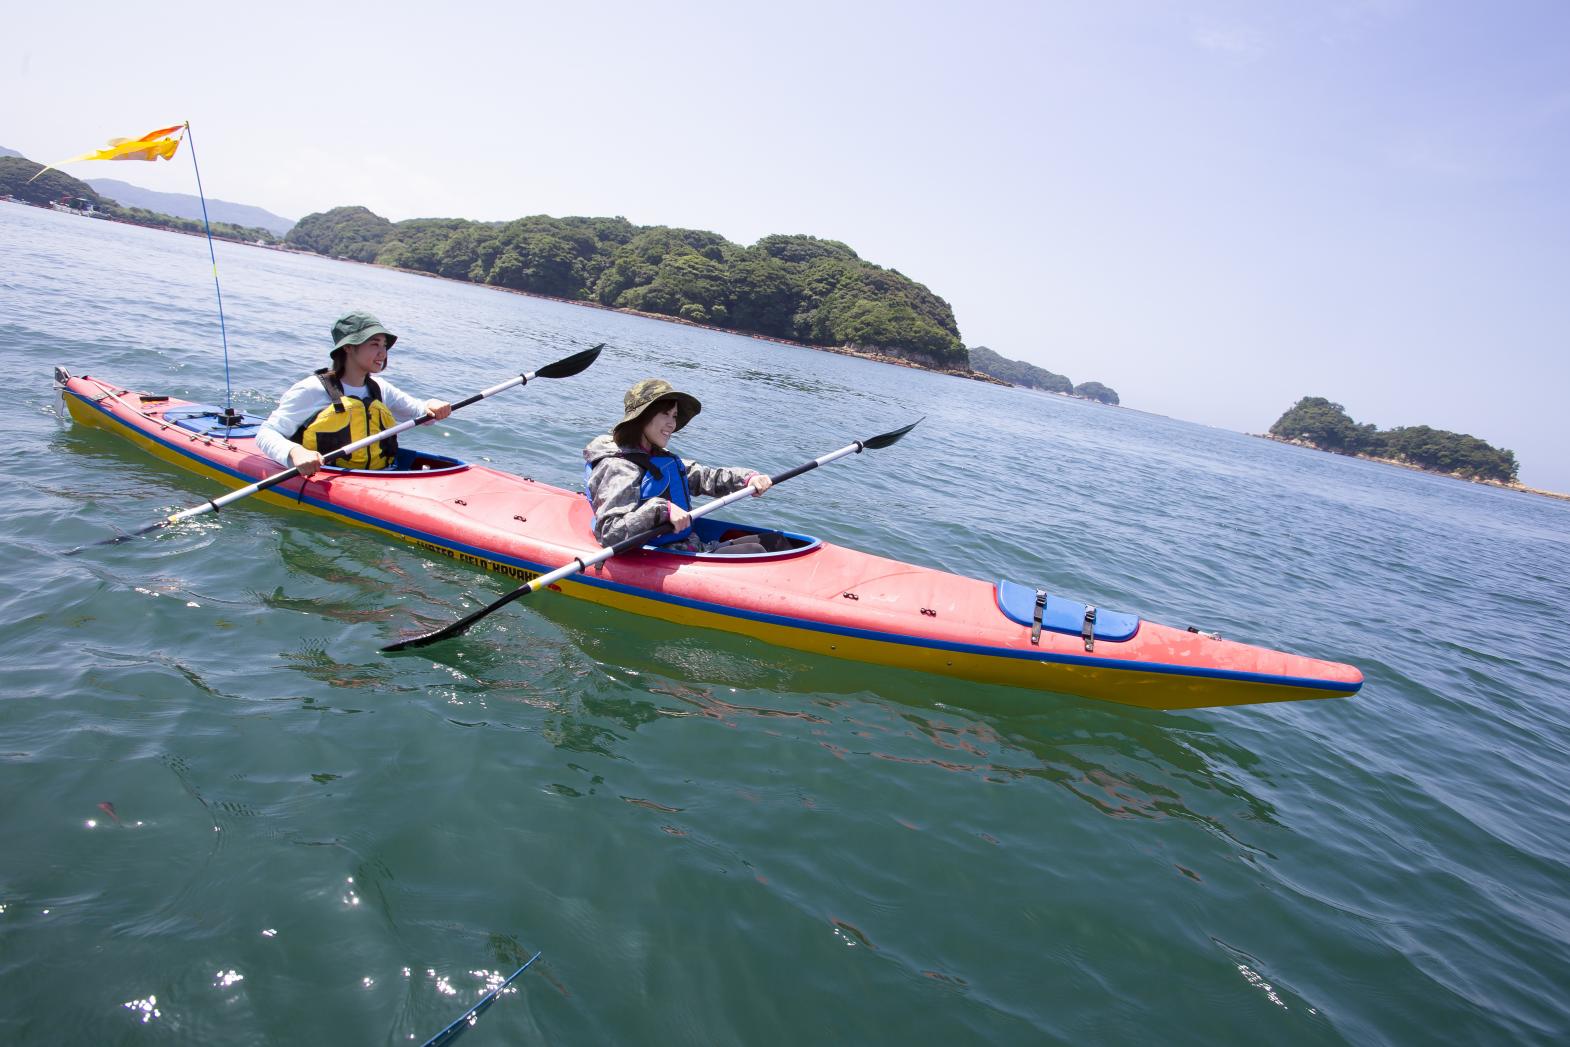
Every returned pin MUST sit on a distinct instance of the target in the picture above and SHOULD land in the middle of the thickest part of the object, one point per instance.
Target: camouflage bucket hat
(644, 395)
(358, 328)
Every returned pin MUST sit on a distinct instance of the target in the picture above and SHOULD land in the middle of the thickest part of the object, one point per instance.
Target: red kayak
(812, 596)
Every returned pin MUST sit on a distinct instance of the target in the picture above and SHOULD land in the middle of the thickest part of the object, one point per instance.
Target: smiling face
(661, 425)
(369, 357)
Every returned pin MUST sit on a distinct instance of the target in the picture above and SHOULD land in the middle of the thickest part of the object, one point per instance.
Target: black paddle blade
(426, 639)
(879, 442)
(571, 365)
(117, 539)
(460, 626)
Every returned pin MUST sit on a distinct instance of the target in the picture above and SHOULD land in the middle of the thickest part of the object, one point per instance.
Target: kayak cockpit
(780, 545)
(207, 420)
(408, 463)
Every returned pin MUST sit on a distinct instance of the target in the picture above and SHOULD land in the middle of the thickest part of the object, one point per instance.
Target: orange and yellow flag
(153, 145)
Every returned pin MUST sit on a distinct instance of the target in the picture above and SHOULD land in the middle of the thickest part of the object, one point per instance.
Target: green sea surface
(229, 819)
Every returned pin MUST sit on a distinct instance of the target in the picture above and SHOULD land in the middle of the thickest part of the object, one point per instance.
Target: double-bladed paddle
(461, 1024)
(563, 368)
(638, 540)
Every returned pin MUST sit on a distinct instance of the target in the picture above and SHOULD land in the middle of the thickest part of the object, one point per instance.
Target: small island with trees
(1316, 422)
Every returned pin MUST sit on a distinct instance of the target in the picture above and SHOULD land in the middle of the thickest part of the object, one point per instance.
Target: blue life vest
(664, 475)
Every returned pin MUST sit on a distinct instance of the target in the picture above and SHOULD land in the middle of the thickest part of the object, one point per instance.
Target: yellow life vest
(349, 419)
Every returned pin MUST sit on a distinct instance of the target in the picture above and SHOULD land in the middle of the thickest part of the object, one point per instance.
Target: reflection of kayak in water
(809, 595)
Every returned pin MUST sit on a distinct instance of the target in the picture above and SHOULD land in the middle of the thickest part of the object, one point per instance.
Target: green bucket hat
(644, 395)
(358, 328)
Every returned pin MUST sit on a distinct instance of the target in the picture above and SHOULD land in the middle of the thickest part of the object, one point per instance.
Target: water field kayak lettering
(475, 560)
(810, 595)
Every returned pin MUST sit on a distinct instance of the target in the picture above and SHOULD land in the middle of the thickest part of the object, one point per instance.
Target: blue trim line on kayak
(901, 639)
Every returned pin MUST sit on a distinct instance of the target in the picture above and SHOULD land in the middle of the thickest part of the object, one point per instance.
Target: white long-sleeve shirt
(305, 400)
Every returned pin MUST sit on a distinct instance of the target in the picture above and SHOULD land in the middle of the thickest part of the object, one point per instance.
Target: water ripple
(236, 819)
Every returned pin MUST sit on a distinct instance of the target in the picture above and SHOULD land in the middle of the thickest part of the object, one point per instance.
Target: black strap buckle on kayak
(1035, 619)
(1089, 630)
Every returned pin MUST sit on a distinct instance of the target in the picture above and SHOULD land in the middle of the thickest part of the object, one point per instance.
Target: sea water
(229, 819)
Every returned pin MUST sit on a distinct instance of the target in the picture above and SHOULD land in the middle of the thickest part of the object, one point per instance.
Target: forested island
(1017, 372)
(56, 188)
(796, 288)
(800, 288)
(1316, 422)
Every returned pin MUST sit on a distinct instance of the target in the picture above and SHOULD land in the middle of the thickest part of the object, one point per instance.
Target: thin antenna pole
(229, 417)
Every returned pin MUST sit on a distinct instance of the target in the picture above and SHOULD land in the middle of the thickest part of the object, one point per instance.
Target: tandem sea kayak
(810, 596)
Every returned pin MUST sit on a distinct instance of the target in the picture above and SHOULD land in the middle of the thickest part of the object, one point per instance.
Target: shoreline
(1522, 488)
(843, 350)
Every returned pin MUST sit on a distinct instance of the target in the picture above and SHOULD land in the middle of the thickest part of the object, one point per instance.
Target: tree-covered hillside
(49, 188)
(1017, 372)
(189, 205)
(1318, 422)
(59, 187)
(796, 287)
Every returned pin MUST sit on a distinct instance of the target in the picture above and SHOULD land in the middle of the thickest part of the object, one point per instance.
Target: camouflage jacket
(613, 484)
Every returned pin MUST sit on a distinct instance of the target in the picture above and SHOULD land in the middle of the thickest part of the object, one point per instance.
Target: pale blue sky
(1215, 208)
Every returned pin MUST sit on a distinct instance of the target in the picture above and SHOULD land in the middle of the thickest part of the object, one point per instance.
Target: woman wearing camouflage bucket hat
(341, 404)
(635, 483)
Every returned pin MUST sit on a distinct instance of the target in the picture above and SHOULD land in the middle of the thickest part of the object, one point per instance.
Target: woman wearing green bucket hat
(343, 403)
(635, 483)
